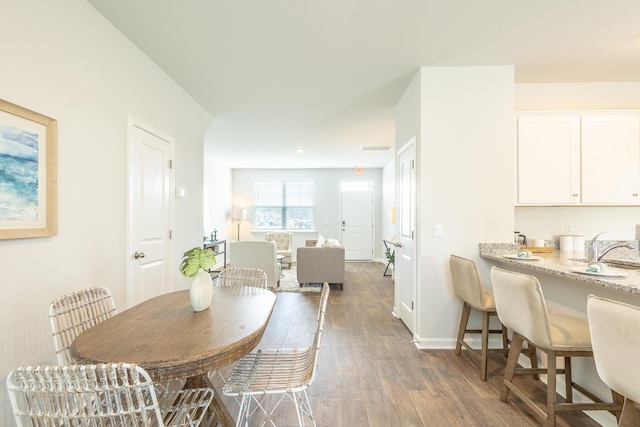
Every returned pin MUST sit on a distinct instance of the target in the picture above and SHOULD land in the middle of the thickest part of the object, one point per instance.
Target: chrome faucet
(615, 245)
(598, 256)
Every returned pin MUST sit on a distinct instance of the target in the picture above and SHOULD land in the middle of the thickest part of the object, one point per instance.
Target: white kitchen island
(566, 291)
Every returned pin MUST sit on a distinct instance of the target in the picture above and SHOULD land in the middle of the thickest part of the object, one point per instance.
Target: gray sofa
(319, 265)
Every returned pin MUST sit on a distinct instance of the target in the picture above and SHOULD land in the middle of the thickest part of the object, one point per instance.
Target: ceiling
(325, 75)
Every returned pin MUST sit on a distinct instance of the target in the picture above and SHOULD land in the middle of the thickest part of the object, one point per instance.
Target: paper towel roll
(578, 243)
(566, 242)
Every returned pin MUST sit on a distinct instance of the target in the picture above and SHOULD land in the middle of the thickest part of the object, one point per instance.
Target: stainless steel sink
(623, 266)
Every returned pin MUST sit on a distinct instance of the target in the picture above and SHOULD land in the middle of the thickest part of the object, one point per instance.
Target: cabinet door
(549, 159)
(610, 158)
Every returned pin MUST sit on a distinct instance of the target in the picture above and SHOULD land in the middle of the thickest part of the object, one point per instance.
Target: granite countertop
(562, 264)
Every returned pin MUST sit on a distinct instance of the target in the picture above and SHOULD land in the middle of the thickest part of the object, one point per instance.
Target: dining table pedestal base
(218, 412)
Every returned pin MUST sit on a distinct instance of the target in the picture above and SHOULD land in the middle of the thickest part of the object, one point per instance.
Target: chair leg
(484, 345)
(568, 380)
(630, 414)
(551, 388)
(512, 362)
(243, 412)
(298, 405)
(533, 357)
(617, 398)
(464, 319)
(307, 407)
(505, 337)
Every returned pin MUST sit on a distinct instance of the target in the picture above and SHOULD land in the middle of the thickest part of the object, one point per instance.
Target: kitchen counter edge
(561, 264)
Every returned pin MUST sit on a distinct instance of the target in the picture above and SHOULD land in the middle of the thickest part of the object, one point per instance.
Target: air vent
(375, 148)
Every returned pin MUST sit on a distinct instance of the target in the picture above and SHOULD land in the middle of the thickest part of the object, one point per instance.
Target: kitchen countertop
(561, 264)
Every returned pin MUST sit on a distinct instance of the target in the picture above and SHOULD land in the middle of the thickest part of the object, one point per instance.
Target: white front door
(406, 221)
(150, 213)
(357, 225)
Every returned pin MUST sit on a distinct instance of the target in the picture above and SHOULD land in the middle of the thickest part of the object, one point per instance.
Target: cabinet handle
(635, 194)
(575, 194)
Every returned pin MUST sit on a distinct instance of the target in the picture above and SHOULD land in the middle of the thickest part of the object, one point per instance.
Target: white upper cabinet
(549, 159)
(610, 158)
(570, 158)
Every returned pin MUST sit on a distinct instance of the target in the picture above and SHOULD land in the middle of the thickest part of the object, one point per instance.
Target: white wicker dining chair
(239, 276)
(74, 313)
(288, 372)
(112, 394)
(242, 276)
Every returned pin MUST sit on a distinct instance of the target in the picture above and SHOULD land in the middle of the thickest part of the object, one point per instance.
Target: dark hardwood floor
(370, 374)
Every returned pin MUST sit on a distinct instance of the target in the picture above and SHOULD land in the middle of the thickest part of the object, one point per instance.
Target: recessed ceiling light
(377, 148)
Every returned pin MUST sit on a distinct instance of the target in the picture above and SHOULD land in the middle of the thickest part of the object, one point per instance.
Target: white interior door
(406, 222)
(150, 213)
(357, 225)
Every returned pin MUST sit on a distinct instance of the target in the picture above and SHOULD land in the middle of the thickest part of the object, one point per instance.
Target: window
(283, 206)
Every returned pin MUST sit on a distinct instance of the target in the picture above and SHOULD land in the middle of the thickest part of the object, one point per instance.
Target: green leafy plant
(195, 259)
(391, 257)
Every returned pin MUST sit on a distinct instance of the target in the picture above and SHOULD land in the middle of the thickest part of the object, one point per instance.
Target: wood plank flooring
(370, 374)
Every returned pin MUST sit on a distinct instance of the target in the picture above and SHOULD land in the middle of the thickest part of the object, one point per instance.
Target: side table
(219, 247)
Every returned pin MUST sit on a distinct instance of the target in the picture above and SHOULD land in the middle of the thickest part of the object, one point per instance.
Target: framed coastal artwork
(28, 173)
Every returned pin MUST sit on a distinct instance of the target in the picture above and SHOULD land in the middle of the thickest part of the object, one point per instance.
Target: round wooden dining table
(171, 341)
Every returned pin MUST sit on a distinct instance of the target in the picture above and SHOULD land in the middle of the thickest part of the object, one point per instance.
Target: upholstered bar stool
(616, 346)
(521, 308)
(468, 287)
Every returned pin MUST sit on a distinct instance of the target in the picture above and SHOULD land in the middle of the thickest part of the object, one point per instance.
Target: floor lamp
(238, 215)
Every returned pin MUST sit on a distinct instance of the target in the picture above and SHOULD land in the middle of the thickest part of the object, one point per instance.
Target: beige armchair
(284, 242)
(256, 254)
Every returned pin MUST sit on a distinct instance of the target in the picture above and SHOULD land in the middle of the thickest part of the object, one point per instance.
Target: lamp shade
(238, 213)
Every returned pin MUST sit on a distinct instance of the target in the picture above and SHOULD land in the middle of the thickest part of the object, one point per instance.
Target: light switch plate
(438, 230)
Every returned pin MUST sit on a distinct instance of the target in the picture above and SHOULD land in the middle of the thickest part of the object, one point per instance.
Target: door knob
(138, 255)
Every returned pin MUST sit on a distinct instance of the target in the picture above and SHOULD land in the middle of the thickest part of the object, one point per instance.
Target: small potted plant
(195, 264)
(391, 258)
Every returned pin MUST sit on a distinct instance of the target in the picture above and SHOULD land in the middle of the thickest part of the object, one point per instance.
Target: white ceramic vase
(201, 290)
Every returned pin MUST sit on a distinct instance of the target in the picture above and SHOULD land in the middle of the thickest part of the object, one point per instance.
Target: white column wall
(466, 178)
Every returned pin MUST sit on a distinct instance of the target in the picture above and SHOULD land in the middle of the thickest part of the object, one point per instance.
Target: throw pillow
(332, 243)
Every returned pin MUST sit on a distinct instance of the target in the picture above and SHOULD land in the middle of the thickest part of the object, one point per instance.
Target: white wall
(217, 181)
(388, 202)
(549, 222)
(66, 61)
(327, 200)
(465, 174)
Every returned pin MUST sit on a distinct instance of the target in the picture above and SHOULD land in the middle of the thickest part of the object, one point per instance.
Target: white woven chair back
(242, 277)
(72, 314)
(113, 394)
(287, 372)
(322, 309)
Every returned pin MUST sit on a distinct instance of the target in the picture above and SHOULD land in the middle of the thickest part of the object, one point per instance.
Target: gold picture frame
(28, 173)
